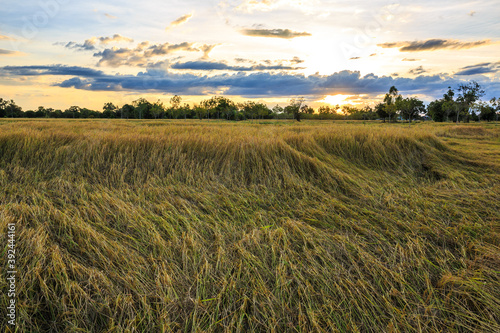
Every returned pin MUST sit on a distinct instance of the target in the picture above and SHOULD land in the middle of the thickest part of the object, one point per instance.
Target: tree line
(463, 106)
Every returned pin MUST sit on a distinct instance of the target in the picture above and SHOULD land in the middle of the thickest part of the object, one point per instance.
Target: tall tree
(390, 105)
(381, 112)
(294, 107)
(209, 105)
(142, 108)
(277, 109)
(324, 111)
(157, 109)
(495, 103)
(127, 111)
(175, 104)
(410, 107)
(109, 110)
(468, 94)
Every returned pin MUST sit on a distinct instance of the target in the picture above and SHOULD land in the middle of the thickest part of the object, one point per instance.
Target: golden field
(196, 226)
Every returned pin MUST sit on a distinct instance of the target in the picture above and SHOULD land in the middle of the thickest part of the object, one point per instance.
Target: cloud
(90, 44)
(275, 33)
(10, 53)
(142, 54)
(206, 49)
(417, 71)
(251, 85)
(212, 65)
(112, 17)
(261, 84)
(3, 37)
(115, 39)
(50, 70)
(296, 60)
(181, 20)
(410, 59)
(244, 60)
(484, 68)
(262, 5)
(354, 58)
(434, 44)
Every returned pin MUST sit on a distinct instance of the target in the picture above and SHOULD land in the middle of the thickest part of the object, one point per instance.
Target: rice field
(196, 226)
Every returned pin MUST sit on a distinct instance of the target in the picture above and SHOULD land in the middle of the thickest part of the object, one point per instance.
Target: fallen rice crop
(195, 226)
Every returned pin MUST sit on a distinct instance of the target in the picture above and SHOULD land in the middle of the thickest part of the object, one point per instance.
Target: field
(174, 226)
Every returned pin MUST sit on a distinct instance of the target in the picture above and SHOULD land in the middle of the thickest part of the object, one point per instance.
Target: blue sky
(63, 52)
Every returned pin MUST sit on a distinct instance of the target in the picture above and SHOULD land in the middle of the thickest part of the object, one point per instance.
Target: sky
(59, 53)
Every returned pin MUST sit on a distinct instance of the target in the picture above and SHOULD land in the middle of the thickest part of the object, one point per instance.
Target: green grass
(173, 226)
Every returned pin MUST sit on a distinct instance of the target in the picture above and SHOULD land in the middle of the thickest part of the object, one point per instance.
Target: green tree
(349, 110)
(185, 110)
(109, 110)
(468, 94)
(390, 105)
(9, 109)
(127, 111)
(142, 108)
(277, 109)
(324, 111)
(305, 109)
(380, 110)
(485, 112)
(157, 109)
(73, 111)
(495, 104)
(209, 105)
(225, 107)
(442, 109)
(175, 104)
(410, 107)
(294, 107)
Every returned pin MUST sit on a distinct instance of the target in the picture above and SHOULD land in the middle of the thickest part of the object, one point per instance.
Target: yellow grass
(170, 226)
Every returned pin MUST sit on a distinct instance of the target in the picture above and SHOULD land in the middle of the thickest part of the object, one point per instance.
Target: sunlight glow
(338, 99)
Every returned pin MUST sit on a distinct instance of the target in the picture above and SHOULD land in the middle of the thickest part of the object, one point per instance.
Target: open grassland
(157, 226)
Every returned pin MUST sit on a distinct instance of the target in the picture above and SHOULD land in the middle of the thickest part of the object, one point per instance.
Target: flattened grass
(215, 227)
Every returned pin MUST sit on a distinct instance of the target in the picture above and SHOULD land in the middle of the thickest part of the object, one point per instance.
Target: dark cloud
(50, 70)
(9, 53)
(142, 55)
(88, 45)
(212, 65)
(434, 44)
(261, 84)
(484, 68)
(418, 71)
(240, 60)
(354, 58)
(257, 84)
(91, 43)
(276, 33)
(116, 38)
(296, 60)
